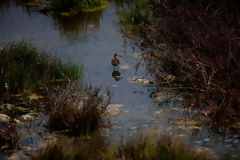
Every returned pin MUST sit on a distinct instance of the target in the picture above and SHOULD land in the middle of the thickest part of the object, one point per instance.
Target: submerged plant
(77, 109)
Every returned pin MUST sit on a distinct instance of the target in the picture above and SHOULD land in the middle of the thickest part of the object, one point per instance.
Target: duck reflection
(116, 75)
(73, 26)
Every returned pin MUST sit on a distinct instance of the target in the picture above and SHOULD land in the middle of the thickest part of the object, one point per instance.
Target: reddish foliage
(198, 41)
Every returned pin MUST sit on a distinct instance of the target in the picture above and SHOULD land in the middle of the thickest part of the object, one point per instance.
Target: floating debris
(198, 142)
(186, 123)
(114, 85)
(236, 141)
(26, 117)
(206, 140)
(125, 67)
(158, 113)
(134, 128)
(140, 80)
(178, 109)
(228, 140)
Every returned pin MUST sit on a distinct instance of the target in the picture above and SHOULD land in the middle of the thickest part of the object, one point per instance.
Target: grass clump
(77, 109)
(24, 67)
(139, 149)
(68, 7)
(93, 148)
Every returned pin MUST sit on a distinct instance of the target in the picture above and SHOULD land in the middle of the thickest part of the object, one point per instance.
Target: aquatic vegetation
(68, 7)
(139, 149)
(77, 109)
(194, 51)
(134, 16)
(24, 67)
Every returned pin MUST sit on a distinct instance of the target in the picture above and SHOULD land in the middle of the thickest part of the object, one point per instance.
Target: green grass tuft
(24, 67)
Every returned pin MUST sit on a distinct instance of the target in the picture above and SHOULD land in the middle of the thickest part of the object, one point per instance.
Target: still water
(90, 40)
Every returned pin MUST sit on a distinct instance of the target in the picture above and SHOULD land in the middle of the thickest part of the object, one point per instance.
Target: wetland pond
(91, 39)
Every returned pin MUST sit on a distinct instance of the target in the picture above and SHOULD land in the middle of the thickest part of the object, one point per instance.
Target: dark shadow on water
(116, 75)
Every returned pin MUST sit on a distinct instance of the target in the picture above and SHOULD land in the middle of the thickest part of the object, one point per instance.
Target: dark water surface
(92, 39)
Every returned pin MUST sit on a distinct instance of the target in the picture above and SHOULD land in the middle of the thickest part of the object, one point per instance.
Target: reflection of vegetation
(139, 149)
(135, 16)
(73, 25)
(77, 109)
(71, 6)
(7, 3)
(25, 67)
(194, 50)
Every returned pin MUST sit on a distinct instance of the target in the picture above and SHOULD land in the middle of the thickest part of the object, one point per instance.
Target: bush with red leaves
(197, 44)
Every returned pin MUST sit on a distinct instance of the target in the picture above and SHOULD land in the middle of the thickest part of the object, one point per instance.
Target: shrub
(77, 109)
(194, 49)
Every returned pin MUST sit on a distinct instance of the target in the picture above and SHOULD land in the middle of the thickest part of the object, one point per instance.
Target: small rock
(158, 113)
(133, 128)
(26, 117)
(114, 110)
(236, 141)
(139, 80)
(198, 142)
(125, 67)
(228, 146)
(4, 118)
(228, 140)
(206, 140)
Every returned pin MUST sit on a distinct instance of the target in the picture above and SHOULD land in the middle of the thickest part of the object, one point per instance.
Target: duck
(115, 60)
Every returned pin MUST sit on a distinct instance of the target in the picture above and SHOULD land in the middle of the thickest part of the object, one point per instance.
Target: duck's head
(116, 55)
